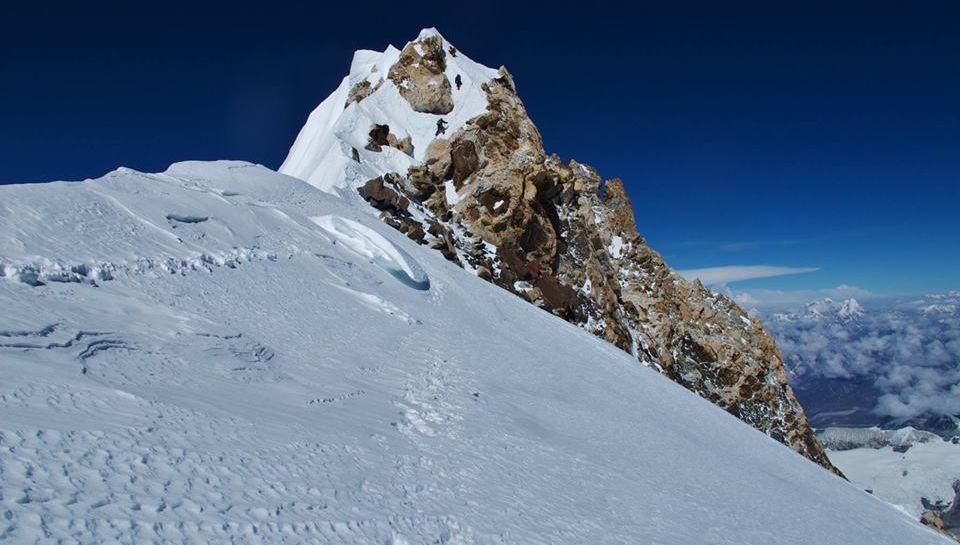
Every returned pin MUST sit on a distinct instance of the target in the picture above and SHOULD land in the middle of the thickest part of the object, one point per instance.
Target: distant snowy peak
(940, 303)
(825, 309)
(850, 309)
(820, 307)
(837, 438)
(385, 113)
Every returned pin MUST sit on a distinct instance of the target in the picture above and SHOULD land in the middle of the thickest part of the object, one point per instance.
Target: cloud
(908, 354)
(713, 276)
(761, 298)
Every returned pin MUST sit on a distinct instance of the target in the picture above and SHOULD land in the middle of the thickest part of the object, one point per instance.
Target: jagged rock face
(360, 91)
(382, 197)
(419, 75)
(381, 136)
(703, 341)
(491, 200)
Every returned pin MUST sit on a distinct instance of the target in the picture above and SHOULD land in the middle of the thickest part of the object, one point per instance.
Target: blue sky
(826, 141)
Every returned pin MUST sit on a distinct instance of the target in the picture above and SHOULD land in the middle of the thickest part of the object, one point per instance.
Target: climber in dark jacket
(458, 81)
(441, 127)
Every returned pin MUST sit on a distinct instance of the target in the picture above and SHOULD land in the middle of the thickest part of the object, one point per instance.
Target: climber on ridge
(458, 81)
(441, 127)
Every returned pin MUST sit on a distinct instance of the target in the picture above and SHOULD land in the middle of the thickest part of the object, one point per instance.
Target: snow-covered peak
(940, 303)
(819, 307)
(332, 151)
(823, 308)
(429, 33)
(850, 308)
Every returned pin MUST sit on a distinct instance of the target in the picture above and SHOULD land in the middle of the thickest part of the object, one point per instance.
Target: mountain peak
(850, 308)
(387, 111)
(444, 151)
(430, 32)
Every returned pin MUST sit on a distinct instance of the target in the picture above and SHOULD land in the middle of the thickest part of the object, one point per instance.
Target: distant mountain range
(888, 363)
(881, 383)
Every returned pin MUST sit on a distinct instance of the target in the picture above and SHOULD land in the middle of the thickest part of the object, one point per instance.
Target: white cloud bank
(909, 350)
(775, 298)
(713, 276)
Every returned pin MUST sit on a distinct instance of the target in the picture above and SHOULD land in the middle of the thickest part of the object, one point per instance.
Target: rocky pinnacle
(492, 201)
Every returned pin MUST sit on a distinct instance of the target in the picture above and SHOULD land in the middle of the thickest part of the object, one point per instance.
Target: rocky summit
(444, 150)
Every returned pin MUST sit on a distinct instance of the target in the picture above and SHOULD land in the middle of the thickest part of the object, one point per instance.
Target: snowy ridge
(312, 396)
(322, 152)
(851, 438)
(118, 228)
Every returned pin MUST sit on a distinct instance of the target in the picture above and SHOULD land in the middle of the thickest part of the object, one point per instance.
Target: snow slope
(223, 353)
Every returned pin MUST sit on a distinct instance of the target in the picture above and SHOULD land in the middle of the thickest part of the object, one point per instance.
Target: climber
(458, 81)
(453, 51)
(441, 127)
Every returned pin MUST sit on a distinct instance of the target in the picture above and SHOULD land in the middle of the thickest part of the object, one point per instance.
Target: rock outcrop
(381, 136)
(489, 197)
(419, 75)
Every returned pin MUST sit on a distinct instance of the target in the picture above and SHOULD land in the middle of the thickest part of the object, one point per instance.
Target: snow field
(309, 395)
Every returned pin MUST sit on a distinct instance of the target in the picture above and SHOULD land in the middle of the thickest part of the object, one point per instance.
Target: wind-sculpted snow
(303, 395)
(371, 245)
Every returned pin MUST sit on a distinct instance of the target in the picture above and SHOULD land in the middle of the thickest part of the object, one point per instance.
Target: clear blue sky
(815, 140)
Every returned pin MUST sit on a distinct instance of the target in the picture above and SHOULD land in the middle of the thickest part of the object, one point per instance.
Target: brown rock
(438, 161)
(620, 218)
(421, 79)
(577, 244)
(383, 197)
(381, 136)
(378, 137)
(558, 297)
(361, 91)
(464, 160)
(413, 230)
(931, 519)
(405, 145)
